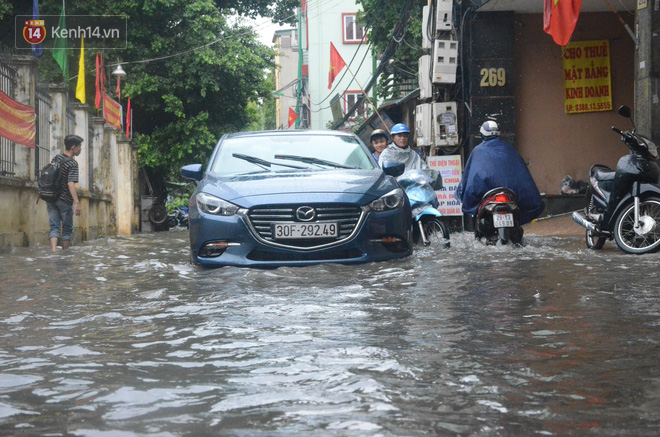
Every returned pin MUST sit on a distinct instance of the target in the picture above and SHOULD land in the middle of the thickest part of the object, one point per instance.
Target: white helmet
(489, 130)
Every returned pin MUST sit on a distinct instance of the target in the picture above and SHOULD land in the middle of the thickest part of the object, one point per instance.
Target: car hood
(354, 186)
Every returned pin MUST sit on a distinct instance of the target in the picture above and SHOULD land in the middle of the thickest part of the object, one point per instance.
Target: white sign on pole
(449, 167)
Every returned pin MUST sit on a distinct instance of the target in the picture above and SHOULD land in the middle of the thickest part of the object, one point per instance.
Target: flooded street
(124, 337)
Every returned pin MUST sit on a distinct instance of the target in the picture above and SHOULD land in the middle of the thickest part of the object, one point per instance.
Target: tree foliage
(281, 11)
(194, 71)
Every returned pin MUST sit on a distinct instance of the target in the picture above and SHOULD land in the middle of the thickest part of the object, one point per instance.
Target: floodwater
(122, 337)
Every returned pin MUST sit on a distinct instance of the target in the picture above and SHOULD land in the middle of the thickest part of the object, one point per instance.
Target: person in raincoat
(378, 140)
(493, 164)
(399, 151)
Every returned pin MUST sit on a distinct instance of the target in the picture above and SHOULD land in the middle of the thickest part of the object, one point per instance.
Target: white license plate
(503, 220)
(283, 231)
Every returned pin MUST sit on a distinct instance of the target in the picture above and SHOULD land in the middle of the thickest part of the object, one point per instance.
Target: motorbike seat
(602, 173)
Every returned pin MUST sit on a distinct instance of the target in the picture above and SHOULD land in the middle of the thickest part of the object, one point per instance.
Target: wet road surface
(124, 337)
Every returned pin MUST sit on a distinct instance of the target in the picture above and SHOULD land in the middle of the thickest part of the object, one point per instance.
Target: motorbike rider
(495, 163)
(379, 140)
(399, 150)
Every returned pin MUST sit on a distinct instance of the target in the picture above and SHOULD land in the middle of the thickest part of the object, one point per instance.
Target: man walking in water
(61, 211)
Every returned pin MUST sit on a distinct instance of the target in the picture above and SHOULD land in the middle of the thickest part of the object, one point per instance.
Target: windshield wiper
(310, 160)
(262, 162)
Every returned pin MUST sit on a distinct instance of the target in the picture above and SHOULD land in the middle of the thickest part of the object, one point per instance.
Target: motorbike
(624, 204)
(498, 218)
(178, 217)
(420, 186)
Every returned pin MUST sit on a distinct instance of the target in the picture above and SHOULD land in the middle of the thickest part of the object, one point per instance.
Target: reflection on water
(124, 337)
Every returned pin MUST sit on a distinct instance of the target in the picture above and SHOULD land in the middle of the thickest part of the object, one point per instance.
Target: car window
(289, 152)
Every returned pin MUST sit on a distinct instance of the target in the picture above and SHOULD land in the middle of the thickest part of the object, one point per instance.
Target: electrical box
(427, 30)
(445, 61)
(424, 77)
(445, 124)
(443, 15)
(423, 123)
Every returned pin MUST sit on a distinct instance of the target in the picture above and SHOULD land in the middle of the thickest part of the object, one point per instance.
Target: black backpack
(49, 180)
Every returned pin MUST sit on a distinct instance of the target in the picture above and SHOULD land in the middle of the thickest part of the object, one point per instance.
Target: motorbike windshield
(419, 186)
(650, 146)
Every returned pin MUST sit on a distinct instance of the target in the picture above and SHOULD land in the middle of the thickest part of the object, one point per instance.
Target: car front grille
(348, 217)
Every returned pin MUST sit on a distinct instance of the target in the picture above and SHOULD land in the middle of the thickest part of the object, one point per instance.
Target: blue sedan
(294, 198)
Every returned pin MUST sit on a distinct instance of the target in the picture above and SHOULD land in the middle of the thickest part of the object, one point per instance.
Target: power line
(388, 53)
(185, 52)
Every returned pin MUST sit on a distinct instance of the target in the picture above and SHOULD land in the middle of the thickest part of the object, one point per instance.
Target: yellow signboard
(587, 77)
(641, 4)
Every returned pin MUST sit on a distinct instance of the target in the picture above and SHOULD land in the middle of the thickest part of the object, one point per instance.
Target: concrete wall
(107, 185)
(554, 143)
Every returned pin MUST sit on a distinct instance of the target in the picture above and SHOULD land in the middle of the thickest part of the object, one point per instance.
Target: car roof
(301, 132)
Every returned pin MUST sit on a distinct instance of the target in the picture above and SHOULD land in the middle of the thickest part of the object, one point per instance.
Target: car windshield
(290, 153)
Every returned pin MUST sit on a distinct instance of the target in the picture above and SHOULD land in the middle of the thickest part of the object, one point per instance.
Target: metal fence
(7, 84)
(42, 151)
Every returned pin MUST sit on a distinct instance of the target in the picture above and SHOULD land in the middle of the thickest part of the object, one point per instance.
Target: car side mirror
(192, 172)
(394, 168)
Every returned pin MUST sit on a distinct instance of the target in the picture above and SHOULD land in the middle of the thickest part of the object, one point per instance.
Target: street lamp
(119, 73)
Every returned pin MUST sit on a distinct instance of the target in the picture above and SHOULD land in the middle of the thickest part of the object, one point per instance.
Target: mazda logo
(305, 213)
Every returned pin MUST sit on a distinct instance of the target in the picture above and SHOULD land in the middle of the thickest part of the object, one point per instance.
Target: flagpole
(370, 102)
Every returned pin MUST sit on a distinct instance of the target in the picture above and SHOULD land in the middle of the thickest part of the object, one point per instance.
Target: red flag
(292, 116)
(17, 121)
(104, 78)
(97, 100)
(336, 64)
(118, 90)
(560, 18)
(128, 118)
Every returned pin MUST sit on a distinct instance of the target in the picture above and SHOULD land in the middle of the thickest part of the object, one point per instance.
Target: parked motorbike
(420, 186)
(498, 218)
(178, 217)
(624, 204)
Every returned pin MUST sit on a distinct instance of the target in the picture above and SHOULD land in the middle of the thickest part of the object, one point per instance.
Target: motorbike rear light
(502, 198)
(213, 249)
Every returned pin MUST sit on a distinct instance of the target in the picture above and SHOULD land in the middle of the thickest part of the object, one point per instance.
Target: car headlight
(214, 205)
(391, 200)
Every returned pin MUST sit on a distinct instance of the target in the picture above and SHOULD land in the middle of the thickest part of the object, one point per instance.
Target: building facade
(321, 24)
(287, 81)
(534, 103)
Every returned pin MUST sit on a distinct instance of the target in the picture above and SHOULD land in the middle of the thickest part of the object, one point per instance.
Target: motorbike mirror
(393, 168)
(624, 111)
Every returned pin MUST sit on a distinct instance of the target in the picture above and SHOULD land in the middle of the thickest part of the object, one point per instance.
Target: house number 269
(493, 77)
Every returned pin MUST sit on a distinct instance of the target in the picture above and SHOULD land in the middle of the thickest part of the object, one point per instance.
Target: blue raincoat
(492, 164)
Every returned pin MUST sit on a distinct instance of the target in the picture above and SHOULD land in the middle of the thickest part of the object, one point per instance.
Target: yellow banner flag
(112, 111)
(80, 87)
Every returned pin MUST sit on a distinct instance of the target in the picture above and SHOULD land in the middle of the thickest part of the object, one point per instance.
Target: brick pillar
(26, 84)
(58, 95)
(647, 71)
